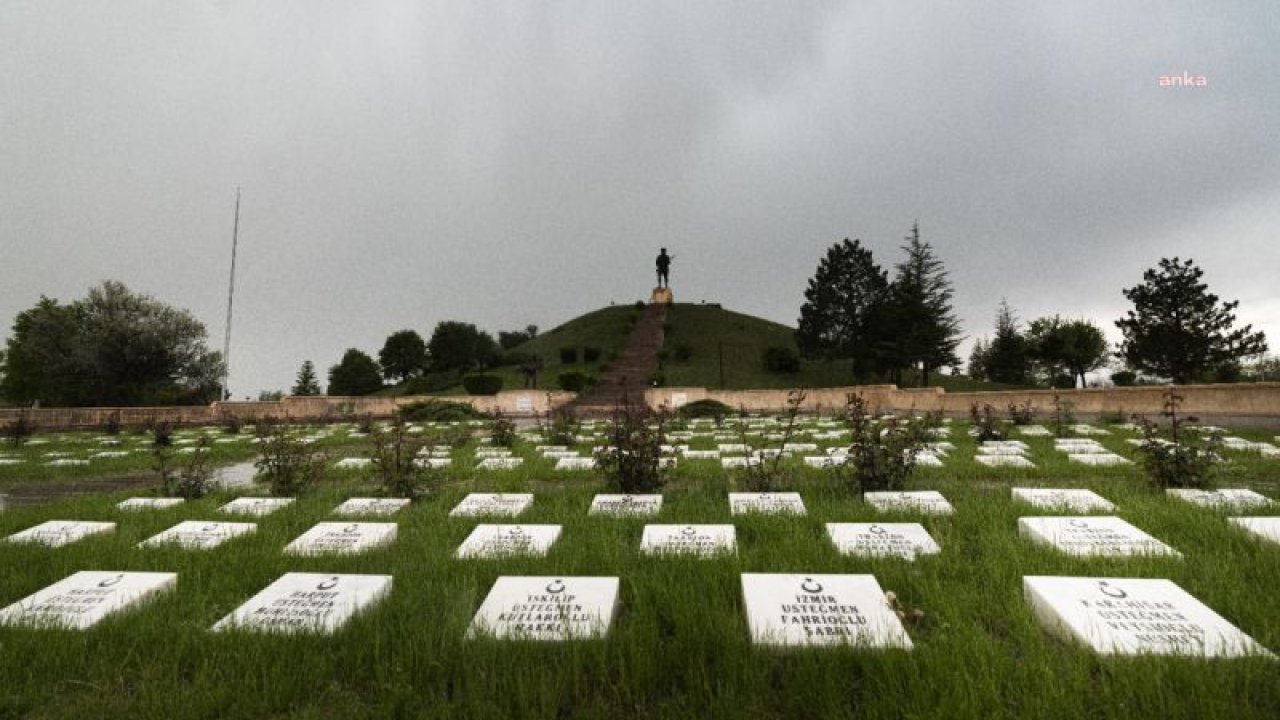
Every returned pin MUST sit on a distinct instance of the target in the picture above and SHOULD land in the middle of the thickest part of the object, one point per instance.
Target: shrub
(568, 355)
(705, 409)
(1023, 414)
(881, 455)
(395, 465)
(573, 381)
(366, 424)
(112, 424)
(161, 432)
(1111, 417)
(631, 461)
(781, 360)
(590, 354)
(482, 383)
(231, 423)
(502, 433)
(1063, 415)
(18, 430)
(291, 467)
(1183, 459)
(437, 411)
(985, 422)
(639, 305)
(190, 479)
(663, 355)
(683, 352)
(1124, 378)
(761, 475)
(561, 428)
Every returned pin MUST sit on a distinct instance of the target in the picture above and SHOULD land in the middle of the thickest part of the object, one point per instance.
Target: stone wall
(1234, 404)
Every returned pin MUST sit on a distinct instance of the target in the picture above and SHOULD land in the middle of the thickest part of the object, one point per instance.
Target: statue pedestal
(661, 296)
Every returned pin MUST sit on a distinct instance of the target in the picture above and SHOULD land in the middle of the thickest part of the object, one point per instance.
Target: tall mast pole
(231, 293)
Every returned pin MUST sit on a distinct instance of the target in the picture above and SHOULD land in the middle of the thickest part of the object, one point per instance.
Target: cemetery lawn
(679, 645)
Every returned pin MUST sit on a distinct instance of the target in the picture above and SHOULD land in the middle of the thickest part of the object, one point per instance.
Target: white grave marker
(547, 608)
(475, 504)
(144, 503)
(929, 502)
(820, 610)
(488, 541)
(85, 598)
(575, 463)
(340, 538)
(371, 506)
(258, 506)
(1016, 461)
(56, 533)
(1092, 536)
(307, 602)
(1123, 616)
(1267, 528)
(904, 540)
(626, 505)
(500, 463)
(766, 503)
(1074, 500)
(691, 539)
(1229, 499)
(524, 404)
(198, 534)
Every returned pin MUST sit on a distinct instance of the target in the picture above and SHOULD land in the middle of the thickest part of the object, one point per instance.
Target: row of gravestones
(1111, 615)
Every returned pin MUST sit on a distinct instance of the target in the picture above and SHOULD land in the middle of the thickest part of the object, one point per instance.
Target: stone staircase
(630, 373)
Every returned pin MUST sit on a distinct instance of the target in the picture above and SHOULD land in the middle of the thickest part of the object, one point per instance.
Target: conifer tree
(306, 383)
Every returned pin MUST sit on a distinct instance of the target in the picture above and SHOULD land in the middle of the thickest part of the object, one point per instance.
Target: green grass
(679, 645)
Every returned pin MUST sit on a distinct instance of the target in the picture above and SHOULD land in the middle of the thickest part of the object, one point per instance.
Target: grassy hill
(706, 346)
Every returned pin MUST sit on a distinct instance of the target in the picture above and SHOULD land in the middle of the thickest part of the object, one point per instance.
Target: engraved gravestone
(790, 609)
(371, 506)
(56, 533)
(929, 502)
(340, 538)
(307, 602)
(703, 540)
(257, 506)
(1072, 499)
(199, 534)
(488, 541)
(625, 505)
(85, 598)
(507, 504)
(903, 540)
(1092, 536)
(547, 608)
(145, 503)
(1125, 616)
(1226, 499)
(768, 503)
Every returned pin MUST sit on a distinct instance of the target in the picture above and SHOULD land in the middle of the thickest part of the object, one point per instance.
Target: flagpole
(231, 293)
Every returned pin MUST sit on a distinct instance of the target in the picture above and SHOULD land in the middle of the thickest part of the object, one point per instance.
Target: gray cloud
(508, 163)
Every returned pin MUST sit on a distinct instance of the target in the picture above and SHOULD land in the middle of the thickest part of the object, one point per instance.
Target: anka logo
(1186, 79)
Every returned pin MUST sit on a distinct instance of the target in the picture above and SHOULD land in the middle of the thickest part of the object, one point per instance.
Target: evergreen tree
(356, 374)
(403, 355)
(1007, 360)
(1179, 330)
(306, 383)
(843, 314)
(925, 329)
(978, 360)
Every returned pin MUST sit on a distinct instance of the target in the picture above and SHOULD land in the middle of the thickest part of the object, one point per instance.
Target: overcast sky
(507, 163)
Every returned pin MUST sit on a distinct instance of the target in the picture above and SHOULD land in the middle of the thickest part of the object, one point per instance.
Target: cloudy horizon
(404, 163)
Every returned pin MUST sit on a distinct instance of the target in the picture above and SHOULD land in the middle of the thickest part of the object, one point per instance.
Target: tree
(513, 338)
(306, 383)
(1006, 359)
(1066, 347)
(925, 331)
(843, 314)
(460, 346)
(403, 355)
(114, 347)
(978, 360)
(1179, 330)
(356, 374)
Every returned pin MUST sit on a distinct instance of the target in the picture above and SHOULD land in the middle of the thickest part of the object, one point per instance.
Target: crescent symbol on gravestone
(111, 581)
(1107, 589)
(877, 530)
(688, 530)
(555, 587)
(811, 586)
(328, 584)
